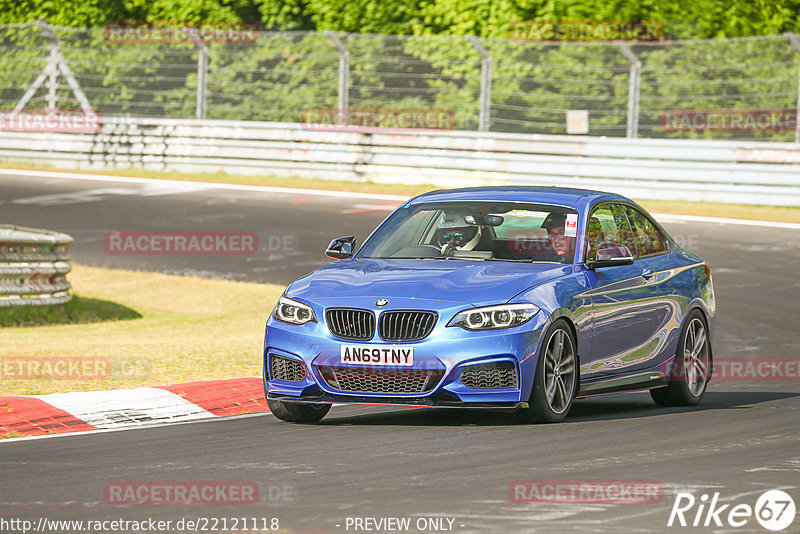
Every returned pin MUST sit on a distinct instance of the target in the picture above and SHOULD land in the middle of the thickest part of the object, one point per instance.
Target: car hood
(462, 281)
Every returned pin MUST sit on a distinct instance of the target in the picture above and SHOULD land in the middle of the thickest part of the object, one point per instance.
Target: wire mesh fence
(724, 89)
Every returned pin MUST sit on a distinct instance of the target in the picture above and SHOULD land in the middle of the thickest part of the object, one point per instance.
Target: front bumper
(446, 351)
(440, 401)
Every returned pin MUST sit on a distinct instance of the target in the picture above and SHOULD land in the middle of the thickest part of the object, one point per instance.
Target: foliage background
(485, 18)
(421, 60)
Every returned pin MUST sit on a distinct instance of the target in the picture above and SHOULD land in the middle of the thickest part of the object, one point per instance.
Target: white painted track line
(666, 217)
(199, 184)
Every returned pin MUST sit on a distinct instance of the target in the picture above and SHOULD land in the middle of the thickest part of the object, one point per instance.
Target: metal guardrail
(33, 266)
(694, 170)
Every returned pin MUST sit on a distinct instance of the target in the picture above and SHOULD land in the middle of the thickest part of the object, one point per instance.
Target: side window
(649, 240)
(625, 231)
(608, 223)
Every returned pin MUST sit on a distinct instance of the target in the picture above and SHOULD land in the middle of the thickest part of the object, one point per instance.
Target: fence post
(634, 86)
(55, 64)
(344, 75)
(484, 115)
(52, 81)
(796, 45)
(202, 74)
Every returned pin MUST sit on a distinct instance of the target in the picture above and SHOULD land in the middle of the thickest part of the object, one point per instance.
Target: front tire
(691, 371)
(556, 380)
(295, 412)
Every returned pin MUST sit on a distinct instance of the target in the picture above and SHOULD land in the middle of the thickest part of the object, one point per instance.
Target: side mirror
(610, 254)
(341, 247)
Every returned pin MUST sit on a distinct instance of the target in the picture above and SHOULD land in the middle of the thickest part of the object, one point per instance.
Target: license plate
(377, 355)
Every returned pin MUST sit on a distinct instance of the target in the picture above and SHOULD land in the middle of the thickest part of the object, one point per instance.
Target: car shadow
(619, 406)
(632, 405)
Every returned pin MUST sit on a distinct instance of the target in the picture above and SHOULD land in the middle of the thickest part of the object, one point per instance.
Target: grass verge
(188, 329)
(706, 209)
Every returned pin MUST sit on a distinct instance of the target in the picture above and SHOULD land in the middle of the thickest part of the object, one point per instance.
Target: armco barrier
(694, 170)
(33, 266)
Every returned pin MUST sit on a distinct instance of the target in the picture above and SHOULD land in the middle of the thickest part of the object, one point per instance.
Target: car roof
(559, 196)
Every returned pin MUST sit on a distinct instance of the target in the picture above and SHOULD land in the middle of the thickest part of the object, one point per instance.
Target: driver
(455, 234)
(561, 243)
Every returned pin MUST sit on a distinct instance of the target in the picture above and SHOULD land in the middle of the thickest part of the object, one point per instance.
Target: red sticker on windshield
(571, 226)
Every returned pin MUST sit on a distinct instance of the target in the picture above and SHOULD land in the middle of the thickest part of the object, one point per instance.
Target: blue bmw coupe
(513, 298)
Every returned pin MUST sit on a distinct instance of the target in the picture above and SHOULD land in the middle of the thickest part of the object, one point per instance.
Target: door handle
(647, 274)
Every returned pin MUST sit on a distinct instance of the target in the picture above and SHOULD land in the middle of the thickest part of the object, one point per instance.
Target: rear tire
(691, 369)
(556, 382)
(296, 412)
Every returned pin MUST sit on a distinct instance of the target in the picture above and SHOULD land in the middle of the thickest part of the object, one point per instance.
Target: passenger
(561, 243)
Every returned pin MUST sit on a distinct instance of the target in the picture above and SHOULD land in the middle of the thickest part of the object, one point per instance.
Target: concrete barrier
(693, 170)
(33, 266)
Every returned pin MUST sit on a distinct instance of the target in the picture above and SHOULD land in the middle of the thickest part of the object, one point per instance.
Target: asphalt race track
(380, 462)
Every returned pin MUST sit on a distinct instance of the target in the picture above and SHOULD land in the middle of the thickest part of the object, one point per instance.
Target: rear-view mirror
(483, 220)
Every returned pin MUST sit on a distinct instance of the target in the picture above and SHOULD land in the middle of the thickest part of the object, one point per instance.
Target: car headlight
(291, 311)
(493, 317)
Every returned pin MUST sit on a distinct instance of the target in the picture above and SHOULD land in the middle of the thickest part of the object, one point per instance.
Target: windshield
(477, 231)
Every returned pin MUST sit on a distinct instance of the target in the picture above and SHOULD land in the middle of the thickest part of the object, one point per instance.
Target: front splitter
(413, 402)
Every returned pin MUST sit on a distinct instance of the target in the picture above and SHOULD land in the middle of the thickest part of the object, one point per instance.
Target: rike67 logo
(774, 510)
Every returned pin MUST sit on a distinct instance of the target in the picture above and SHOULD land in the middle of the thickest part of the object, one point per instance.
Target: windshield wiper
(425, 258)
(466, 258)
(405, 258)
(526, 260)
